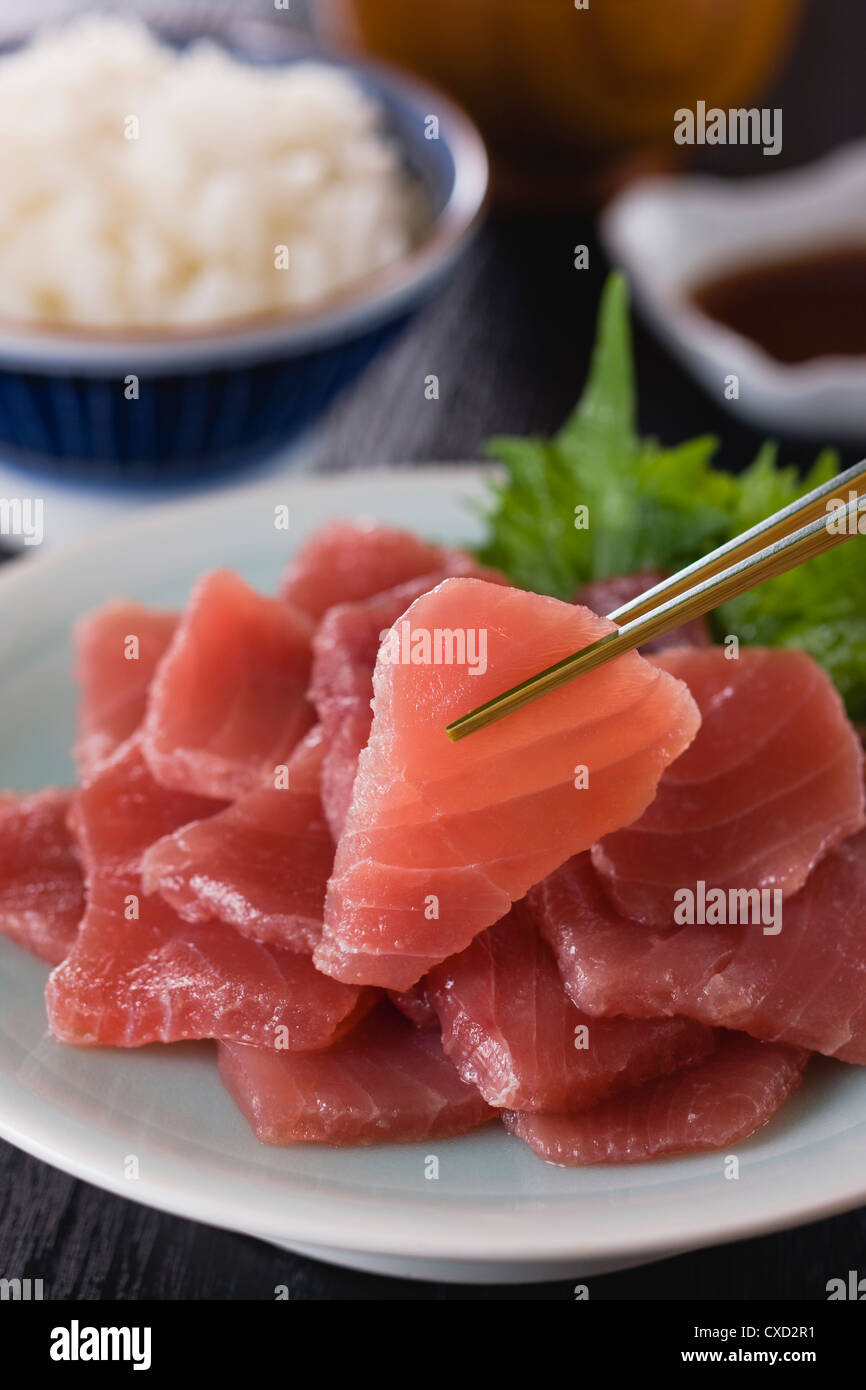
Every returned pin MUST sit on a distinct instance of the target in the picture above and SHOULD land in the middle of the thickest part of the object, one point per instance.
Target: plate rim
(355, 1222)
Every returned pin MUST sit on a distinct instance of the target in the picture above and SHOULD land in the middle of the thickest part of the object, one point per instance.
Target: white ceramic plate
(496, 1212)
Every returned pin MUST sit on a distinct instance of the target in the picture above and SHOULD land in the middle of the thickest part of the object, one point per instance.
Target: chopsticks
(771, 548)
(809, 507)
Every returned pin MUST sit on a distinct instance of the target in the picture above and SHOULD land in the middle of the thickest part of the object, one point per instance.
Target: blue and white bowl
(212, 397)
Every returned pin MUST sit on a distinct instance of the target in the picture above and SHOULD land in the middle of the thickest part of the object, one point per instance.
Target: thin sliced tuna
(511, 1030)
(414, 1004)
(132, 980)
(385, 1083)
(344, 656)
(442, 837)
(805, 985)
(345, 648)
(261, 865)
(606, 595)
(118, 649)
(773, 780)
(229, 698)
(123, 809)
(351, 560)
(41, 886)
(716, 1103)
(138, 973)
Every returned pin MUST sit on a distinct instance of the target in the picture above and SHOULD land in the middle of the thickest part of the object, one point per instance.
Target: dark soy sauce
(811, 306)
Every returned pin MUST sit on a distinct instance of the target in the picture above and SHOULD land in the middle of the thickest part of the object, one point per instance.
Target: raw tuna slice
(120, 813)
(229, 698)
(118, 649)
(712, 1105)
(127, 982)
(806, 985)
(385, 1083)
(442, 837)
(41, 887)
(606, 595)
(414, 1004)
(345, 647)
(344, 656)
(512, 1031)
(773, 780)
(352, 560)
(138, 973)
(261, 865)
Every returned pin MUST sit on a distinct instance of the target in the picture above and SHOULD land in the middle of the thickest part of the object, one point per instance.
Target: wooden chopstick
(784, 553)
(809, 507)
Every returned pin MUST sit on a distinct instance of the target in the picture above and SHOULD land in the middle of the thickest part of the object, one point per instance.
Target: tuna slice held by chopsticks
(345, 648)
(441, 838)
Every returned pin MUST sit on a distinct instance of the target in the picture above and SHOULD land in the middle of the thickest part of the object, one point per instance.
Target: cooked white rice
(182, 224)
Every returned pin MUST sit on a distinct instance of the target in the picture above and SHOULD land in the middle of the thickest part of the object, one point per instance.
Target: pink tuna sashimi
(772, 781)
(805, 986)
(348, 561)
(345, 648)
(41, 886)
(712, 1105)
(120, 813)
(118, 649)
(229, 698)
(385, 1083)
(344, 655)
(606, 595)
(155, 978)
(442, 837)
(138, 973)
(511, 1030)
(414, 1004)
(261, 865)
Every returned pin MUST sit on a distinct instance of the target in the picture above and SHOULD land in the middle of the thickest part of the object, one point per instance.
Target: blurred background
(576, 109)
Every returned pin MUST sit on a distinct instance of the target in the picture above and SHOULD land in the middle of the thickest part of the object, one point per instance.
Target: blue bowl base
(179, 428)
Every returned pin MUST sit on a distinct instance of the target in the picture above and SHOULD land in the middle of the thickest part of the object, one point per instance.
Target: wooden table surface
(509, 339)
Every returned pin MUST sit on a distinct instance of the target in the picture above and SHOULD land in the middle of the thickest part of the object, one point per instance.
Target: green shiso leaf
(596, 500)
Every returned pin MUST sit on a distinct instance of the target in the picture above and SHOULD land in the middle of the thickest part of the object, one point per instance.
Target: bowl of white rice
(202, 238)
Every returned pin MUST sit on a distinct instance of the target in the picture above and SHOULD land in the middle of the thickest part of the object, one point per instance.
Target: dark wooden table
(509, 339)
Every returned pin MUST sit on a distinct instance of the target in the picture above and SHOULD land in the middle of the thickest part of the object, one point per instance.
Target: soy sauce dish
(206, 232)
(745, 282)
